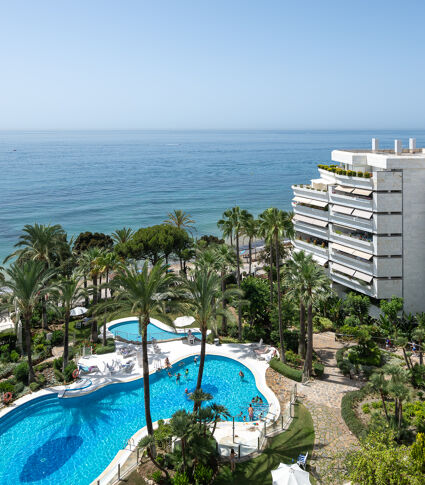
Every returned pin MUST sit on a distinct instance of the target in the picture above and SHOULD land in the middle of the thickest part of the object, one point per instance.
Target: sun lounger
(256, 345)
(83, 369)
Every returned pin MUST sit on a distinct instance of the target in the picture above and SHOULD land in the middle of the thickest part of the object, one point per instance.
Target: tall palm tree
(276, 224)
(108, 262)
(225, 224)
(236, 216)
(180, 219)
(121, 236)
(89, 263)
(43, 243)
(144, 294)
(28, 283)
(314, 288)
(203, 293)
(250, 230)
(68, 292)
(295, 286)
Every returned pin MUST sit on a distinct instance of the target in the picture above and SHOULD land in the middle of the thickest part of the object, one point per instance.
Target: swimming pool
(130, 331)
(71, 441)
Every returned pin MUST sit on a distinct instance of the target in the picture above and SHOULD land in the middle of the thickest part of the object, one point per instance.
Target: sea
(105, 180)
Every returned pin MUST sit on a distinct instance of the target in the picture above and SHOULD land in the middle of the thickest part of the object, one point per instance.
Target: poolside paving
(323, 400)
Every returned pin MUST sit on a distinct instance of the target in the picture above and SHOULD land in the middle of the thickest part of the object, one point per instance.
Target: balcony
(378, 288)
(360, 182)
(309, 247)
(309, 192)
(351, 201)
(351, 240)
(311, 211)
(351, 221)
(351, 261)
(354, 284)
(312, 230)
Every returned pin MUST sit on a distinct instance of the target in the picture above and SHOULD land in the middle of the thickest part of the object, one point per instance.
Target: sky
(218, 64)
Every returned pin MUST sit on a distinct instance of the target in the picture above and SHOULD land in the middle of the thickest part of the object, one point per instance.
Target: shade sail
(183, 321)
(362, 276)
(304, 200)
(342, 210)
(343, 269)
(362, 214)
(344, 249)
(341, 188)
(319, 260)
(310, 220)
(362, 192)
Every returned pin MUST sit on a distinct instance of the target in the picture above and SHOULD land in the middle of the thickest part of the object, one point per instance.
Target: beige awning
(342, 210)
(344, 249)
(362, 192)
(310, 220)
(364, 277)
(362, 214)
(363, 255)
(343, 269)
(304, 200)
(344, 189)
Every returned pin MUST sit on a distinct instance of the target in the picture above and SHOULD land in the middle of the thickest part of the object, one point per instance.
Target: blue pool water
(130, 331)
(71, 441)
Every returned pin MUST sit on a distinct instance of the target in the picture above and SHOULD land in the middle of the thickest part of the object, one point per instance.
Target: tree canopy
(87, 240)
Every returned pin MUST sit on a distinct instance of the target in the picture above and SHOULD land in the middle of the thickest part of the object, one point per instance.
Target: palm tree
(250, 230)
(203, 293)
(314, 288)
(226, 225)
(68, 293)
(40, 242)
(28, 283)
(121, 236)
(295, 285)
(144, 294)
(235, 218)
(226, 261)
(419, 335)
(276, 224)
(180, 219)
(108, 262)
(89, 264)
(378, 383)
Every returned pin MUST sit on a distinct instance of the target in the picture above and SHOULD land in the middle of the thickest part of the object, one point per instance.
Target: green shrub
(42, 366)
(19, 387)
(323, 324)
(293, 358)
(34, 386)
(156, 476)
(21, 372)
(359, 174)
(368, 175)
(348, 414)
(285, 370)
(39, 338)
(101, 349)
(203, 474)
(318, 369)
(41, 379)
(69, 369)
(57, 337)
(59, 376)
(14, 356)
(366, 408)
(58, 363)
(180, 479)
(376, 404)
(6, 386)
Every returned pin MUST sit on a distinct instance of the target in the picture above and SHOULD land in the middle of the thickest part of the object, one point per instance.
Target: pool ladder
(130, 444)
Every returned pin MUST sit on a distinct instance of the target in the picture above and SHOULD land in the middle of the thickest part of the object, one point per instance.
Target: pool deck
(175, 350)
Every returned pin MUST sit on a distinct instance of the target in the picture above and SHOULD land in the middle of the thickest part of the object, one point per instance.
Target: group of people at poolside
(255, 400)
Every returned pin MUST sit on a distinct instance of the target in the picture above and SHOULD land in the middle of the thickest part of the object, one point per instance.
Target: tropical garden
(163, 271)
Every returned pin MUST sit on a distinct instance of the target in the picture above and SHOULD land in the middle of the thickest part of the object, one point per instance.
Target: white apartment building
(364, 219)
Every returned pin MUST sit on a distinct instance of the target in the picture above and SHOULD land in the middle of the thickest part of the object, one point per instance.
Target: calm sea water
(102, 181)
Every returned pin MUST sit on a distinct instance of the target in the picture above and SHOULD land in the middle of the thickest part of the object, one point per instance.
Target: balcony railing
(311, 211)
(310, 247)
(352, 261)
(351, 201)
(309, 191)
(350, 241)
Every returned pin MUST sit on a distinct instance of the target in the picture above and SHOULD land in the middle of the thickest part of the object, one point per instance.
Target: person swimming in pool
(186, 391)
(169, 374)
(186, 373)
(178, 375)
(167, 363)
(241, 374)
(195, 360)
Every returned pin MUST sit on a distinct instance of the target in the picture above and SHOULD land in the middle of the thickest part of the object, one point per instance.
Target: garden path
(323, 400)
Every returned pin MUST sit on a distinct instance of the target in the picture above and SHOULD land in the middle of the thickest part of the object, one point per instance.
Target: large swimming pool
(71, 441)
(130, 331)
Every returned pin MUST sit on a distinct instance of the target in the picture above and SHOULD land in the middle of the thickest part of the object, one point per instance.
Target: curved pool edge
(260, 381)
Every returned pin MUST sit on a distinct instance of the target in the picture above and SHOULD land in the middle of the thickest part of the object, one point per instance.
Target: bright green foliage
(154, 242)
(357, 305)
(203, 474)
(417, 451)
(285, 370)
(257, 292)
(380, 461)
(180, 479)
(21, 372)
(87, 240)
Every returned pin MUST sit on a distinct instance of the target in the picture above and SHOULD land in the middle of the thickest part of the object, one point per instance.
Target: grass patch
(284, 448)
(285, 370)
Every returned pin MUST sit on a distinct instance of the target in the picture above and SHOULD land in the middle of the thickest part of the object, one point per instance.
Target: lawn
(299, 438)
(282, 448)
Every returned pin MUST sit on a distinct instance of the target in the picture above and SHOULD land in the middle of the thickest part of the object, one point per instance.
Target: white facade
(369, 230)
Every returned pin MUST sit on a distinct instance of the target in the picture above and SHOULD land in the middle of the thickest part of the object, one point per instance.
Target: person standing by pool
(251, 413)
(232, 459)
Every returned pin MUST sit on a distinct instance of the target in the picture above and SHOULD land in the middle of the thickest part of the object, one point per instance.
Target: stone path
(323, 399)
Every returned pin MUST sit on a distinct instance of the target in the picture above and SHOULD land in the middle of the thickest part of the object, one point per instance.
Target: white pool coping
(175, 350)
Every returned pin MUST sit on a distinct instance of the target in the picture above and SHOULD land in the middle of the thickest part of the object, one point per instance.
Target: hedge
(318, 369)
(285, 370)
(349, 401)
(105, 349)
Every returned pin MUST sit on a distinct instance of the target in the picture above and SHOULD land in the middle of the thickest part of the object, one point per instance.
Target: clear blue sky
(224, 64)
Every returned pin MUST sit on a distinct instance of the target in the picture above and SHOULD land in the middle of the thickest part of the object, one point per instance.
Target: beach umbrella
(77, 311)
(183, 321)
(290, 475)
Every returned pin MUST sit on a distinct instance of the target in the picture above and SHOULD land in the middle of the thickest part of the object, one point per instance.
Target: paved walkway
(323, 399)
